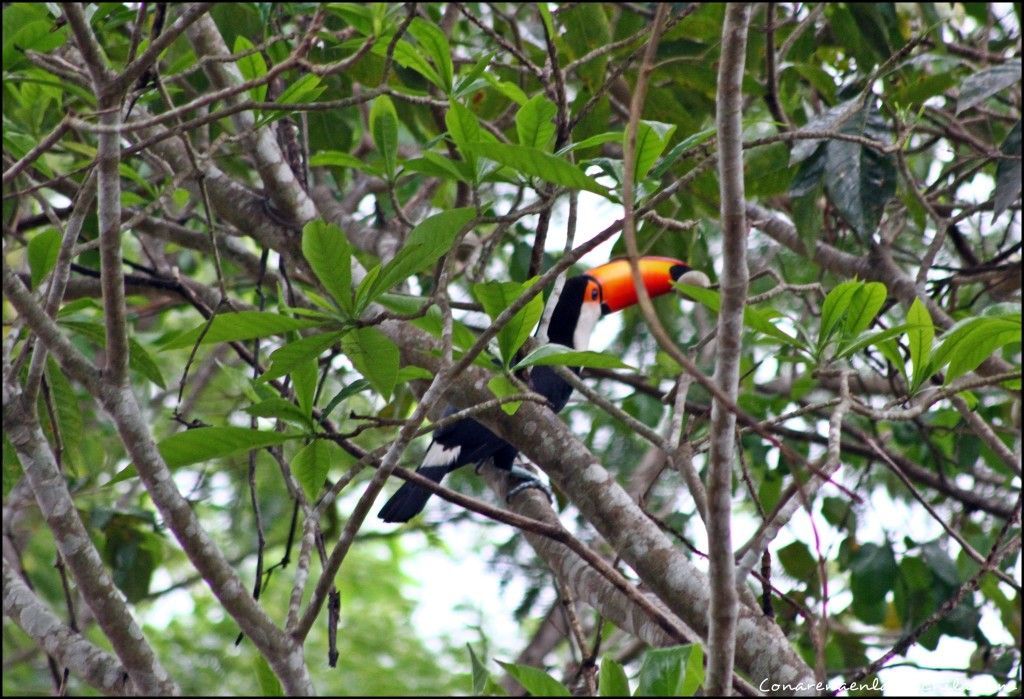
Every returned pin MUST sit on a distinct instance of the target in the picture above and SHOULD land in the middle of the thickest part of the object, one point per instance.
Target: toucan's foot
(528, 480)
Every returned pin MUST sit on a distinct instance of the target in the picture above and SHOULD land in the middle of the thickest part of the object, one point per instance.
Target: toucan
(583, 301)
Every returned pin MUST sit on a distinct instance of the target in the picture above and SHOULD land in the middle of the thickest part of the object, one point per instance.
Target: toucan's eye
(593, 294)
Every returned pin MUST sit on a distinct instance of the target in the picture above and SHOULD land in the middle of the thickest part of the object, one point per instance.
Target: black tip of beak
(677, 271)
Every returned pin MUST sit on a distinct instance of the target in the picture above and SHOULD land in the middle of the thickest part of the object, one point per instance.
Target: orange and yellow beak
(613, 281)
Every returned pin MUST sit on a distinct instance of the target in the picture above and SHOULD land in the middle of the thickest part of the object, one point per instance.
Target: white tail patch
(438, 455)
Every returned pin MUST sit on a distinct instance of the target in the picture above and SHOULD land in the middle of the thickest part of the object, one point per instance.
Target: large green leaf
(834, 309)
(286, 357)
(920, 340)
(611, 680)
(328, 252)
(251, 66)
(534, 123)
(426, 243)
(651, 139)
(536, 163)
(435, 45)
(663, 671)
(972, 340)
(859, 180)
(205, 443)
(464, 129)
(311, 464)
(495, 297)
(67, 409)
(42, 254)
(270, 686)
(243, 325)
(560, 355)
(865, 304)
(1008, 171)
(384, 127)
(374, 356)
(408, 56)
(537, 682)
(981, 85)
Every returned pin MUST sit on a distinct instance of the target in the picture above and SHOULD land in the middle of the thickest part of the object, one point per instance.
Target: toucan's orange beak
(659, 274)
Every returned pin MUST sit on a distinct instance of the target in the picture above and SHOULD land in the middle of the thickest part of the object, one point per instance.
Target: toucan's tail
(411, 498)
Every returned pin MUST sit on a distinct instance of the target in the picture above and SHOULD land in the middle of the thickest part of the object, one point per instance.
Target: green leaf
(797, 560)
(611, 680)
(426, 243)
(510, 90)
(859, 180)
(651, 139)
(677, 151)
(960, 342)
(1008, 172)
(305, 89)
(979, 86)
(311, 464)
(328, 252)
(142, 361)
(560, 355)
(337, 158)
(304, 374)
(864, 306)
(374, 356)
(596, 140)
(536, 163)
(384, 126)
(920, 340)
(286, 357)
(483, 685)
(67, 408)
(979, 346)
(694, 678)
(545, 17)
(502, 386)
(243, 325)
(473, 79)
(464, 128)
(350, 390)
(834, 309)
(42, 254)
(537, 682)
(408, 56)
(872, 337)
(891, 351)
(435, 44)
(662, 671)
(872, 571)
(205, 443)
(534, 123)
(437, 165)
(495, 297)
(251, 67)
(270, 686)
